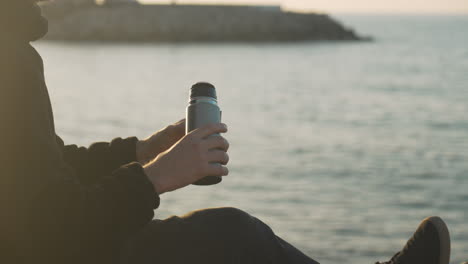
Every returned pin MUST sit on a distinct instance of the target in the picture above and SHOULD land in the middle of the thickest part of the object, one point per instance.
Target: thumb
(210, 180)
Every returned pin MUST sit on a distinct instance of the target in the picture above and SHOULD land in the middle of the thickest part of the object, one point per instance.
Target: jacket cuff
(140, 184)
(126, 148)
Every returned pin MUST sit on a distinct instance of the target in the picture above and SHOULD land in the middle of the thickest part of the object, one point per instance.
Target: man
(67, 204)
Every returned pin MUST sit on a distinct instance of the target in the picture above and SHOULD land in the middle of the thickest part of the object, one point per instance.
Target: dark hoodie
(58, 204)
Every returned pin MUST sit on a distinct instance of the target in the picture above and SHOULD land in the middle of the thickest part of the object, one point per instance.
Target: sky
(355, 6)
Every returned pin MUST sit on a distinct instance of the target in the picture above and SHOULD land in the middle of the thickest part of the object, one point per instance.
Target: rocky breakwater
(188, 23)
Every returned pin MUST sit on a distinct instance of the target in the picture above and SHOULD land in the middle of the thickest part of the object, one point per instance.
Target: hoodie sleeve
(48, 215)
(100, 158)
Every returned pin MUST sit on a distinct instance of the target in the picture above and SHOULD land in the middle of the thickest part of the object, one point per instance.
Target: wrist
(155, 179)
(140, 150)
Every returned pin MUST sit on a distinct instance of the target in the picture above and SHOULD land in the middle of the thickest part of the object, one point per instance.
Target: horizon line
(305, 8)
(312, 10)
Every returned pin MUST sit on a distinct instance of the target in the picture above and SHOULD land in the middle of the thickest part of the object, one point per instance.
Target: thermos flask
(203, 109)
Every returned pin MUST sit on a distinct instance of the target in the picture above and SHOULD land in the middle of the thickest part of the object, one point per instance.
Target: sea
(341, 147)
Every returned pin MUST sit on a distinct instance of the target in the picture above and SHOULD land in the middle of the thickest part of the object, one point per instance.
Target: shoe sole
(444, 238)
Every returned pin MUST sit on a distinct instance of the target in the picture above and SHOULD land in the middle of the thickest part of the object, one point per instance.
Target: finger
(218, 156)
(180, 122)
(217, 169)
(177, 129)
(180, 125)
(216, 142)
(209, 130)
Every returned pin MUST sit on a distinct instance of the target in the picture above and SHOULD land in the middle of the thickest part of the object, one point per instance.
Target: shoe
(430, 244)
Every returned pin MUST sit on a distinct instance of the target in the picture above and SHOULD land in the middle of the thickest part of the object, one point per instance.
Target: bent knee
(231, 212)
(228, 225)
(227, 217)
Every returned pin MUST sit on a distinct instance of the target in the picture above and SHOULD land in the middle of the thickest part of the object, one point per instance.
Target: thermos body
(202, 110)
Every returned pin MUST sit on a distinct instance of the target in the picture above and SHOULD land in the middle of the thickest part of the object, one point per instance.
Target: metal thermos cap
(203, 89)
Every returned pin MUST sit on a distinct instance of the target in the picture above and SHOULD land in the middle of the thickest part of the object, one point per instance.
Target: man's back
(29, 149)
(27, 135)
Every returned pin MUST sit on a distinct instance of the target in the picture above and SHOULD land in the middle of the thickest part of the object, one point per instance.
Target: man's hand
(192, 158)
(148, 149)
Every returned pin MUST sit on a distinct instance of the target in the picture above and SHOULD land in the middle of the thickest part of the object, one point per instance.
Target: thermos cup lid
(203, 89)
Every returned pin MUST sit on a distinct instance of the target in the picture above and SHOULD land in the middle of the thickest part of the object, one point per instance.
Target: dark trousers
(219, 235)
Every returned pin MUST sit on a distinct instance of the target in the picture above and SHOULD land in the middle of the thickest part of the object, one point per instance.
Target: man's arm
(100, 158)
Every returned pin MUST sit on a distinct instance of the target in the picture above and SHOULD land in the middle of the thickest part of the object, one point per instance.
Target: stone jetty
(129, 21)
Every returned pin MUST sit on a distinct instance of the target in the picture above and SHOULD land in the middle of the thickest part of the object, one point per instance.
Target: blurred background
(342, 147)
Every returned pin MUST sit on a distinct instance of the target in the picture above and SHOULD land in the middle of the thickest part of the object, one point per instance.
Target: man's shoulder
(19, 58)
(20, 66)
